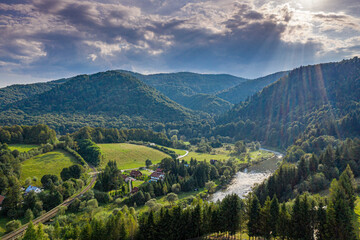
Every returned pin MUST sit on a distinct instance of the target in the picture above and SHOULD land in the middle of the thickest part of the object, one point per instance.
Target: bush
(12, 225)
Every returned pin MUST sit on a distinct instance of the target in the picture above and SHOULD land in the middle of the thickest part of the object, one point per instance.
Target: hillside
(207, 103)
(248, 88)
(187, 88)
(18, 92)
(311, 101)
(109, 95)
(130, 156)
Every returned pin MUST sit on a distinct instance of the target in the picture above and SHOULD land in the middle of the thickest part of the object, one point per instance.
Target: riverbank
(244, 180)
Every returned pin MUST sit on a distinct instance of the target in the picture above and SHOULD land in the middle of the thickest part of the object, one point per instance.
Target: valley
(152, 154)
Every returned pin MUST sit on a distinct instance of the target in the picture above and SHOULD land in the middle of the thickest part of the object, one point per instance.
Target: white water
(243, 182)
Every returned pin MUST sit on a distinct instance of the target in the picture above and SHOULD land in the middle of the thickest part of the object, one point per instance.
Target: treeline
(37, 134)
(90, 152)
(306, 217)
(313, 172)
(113, 135)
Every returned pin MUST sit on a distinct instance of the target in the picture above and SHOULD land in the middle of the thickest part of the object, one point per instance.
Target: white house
(32, 188)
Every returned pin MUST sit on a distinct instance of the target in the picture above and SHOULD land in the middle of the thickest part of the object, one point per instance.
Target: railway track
(50, 214)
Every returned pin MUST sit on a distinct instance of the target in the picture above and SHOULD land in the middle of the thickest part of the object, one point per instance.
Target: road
(187, 152)
(50, 214)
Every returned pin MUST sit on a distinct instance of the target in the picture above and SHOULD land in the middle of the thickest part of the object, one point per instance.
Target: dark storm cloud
(59, 37)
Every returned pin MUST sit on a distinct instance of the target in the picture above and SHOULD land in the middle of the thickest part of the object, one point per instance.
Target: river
(243, 181)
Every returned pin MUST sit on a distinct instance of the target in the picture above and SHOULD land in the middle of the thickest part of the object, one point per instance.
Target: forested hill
(18, 92)
(248, 88)
(193, 90)
(311, 101)
(109, 93)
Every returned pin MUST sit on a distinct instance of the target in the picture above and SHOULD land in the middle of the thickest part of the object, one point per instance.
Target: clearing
(129, 156)
(22, 147)
(48, 163)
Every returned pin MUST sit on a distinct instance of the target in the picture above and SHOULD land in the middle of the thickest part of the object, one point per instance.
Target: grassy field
(177, 151)
(47, 163)
(130, 156)
(224, 154)
(22, 147)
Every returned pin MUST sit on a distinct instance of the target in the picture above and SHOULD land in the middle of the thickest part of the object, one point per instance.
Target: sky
(43, 40)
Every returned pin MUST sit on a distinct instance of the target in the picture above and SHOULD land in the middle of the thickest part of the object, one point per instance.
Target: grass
(177, 151)
(137, 183)
(22, 147)
(130, 156)
(48, 163)
(224, 154)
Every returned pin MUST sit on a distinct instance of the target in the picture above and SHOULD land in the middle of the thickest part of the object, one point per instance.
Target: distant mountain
(186, 88)
(206, 103)
(18, 92)
(248, 88)
(310, 101)
(106, 94)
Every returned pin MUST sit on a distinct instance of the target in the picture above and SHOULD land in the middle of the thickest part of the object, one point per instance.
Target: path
(187, 152)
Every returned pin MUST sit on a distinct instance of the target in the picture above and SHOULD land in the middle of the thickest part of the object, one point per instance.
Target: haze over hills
(310, 101)
(248, 88)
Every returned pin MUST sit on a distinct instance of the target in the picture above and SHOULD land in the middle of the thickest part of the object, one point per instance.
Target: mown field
(224, 154)
(48, 163)
(130, 156)
(22, 147)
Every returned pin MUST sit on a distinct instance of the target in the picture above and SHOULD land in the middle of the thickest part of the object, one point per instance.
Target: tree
(73, 171)
(274, 216)
(254, 217)
(148, 163)
(12, 225)
(230, 213)
(340, 214)
(171, 198)
(30, 233)
(176, 188)
(29, 215)
(240, 147)
(283, 230)
(210, 186)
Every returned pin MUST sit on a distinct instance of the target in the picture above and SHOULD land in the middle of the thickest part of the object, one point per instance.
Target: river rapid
(243, 181)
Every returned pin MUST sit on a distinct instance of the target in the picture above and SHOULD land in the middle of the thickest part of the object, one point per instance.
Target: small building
(159, 170)
(1, 200)
(32, 188)
(155, 176)
(135, 173)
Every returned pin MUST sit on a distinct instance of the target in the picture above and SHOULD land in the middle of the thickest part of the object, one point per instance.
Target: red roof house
(135, 173)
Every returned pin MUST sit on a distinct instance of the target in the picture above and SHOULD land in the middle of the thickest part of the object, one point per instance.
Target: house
(155, 176)
(1, 200)
(159, 170)
(32, 188)
(135, 173)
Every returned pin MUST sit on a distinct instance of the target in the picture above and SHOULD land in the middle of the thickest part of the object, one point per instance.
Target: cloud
(247, 38)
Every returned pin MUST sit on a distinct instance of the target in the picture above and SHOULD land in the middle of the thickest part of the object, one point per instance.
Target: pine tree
(283, 222)
(265, 218)
(254, 217)
(274, 216)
